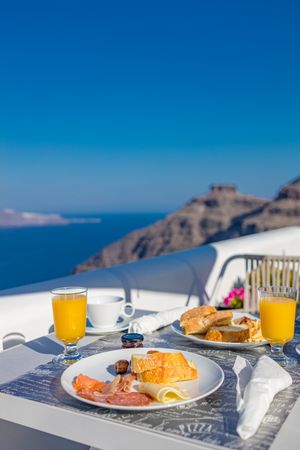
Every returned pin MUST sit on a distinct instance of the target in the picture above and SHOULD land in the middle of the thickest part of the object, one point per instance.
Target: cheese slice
(164, 393)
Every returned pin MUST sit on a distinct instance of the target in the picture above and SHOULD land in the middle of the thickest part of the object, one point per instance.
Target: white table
(85, 429)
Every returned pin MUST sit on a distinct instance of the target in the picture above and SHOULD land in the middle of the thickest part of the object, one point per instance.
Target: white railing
(153, 284)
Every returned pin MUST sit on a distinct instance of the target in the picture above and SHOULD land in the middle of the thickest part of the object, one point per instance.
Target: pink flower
(234, 296)
(226, 301)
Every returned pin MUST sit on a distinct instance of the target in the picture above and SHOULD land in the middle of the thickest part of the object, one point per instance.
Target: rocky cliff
(283, 211)
(223, 213)
(188, 227)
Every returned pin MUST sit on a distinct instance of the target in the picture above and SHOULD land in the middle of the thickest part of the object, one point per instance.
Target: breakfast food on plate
(85, 382)
(118, 392)
(255, 334)
(219, 326)
(152, 373)
(165, 375)
(200, 325)
(228, 333)
(153, 359)
(163, 393)
(198, 311)
(158, 367)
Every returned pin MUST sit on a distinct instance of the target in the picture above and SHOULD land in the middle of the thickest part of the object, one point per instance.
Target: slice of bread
(162, 367)
(234, 333)
(213, 334)
(170, 374)
(140, 363)
(198, 311)
(200, 325)
(153, 360)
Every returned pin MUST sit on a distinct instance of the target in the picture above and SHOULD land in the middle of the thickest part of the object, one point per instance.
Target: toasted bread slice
(199, 311)
(202, 324)
(141, 363)
(169, 374)
(234, 333)
(214, 334)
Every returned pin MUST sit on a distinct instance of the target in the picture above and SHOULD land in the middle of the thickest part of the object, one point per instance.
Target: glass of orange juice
(69, 313)
(277, 314)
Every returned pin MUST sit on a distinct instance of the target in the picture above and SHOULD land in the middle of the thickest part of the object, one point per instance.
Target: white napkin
(152, 322)
(256, 388)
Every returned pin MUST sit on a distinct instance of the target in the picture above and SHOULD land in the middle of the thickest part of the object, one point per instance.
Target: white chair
(271, 271)
(262, 270)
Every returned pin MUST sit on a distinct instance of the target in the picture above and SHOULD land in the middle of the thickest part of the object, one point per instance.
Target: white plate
(121, 325)
(100, 366)
(238, 345)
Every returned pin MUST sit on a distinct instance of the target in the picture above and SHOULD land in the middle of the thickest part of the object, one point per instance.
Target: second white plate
(238, 345)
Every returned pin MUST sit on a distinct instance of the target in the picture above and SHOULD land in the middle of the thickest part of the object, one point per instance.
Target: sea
(33, 254)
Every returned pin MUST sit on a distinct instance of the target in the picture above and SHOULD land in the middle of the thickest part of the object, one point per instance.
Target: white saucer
(121, 325)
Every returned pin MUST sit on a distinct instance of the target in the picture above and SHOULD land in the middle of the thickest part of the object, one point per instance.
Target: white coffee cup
(104, 310)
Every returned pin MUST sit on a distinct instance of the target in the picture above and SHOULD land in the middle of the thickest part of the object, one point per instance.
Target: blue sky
(139, 106)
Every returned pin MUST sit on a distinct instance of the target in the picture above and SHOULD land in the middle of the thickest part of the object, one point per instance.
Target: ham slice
(121, 399)
(115, 393)
(125, 384)
(111, 388)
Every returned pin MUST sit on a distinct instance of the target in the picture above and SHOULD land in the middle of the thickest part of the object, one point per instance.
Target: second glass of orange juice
(277, 314)
(69, 313)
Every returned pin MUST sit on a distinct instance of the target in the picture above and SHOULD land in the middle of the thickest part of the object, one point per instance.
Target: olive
(121, 366)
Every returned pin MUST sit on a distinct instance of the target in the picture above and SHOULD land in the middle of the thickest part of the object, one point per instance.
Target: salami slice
(129, 399)
(92, 395)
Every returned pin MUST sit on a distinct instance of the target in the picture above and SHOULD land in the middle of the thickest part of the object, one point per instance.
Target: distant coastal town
(10, 218)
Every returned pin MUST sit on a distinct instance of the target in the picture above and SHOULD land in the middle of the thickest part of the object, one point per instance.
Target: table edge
(92, 431)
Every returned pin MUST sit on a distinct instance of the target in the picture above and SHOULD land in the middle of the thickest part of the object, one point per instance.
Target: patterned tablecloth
(212, 420)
